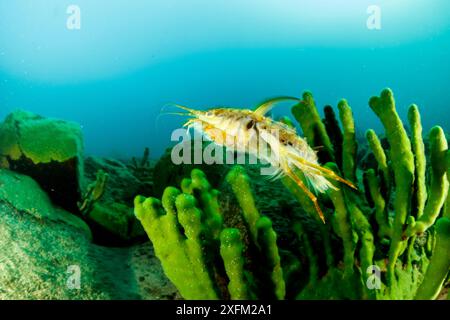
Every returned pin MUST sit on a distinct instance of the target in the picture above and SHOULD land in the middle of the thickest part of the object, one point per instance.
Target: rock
(24, 194)
(142, 168)
(122, 186)
(115, 224)
(43, 248)
(48, 150)
(112, 219)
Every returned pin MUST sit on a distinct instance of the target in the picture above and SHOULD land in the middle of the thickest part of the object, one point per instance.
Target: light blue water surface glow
(130, 58)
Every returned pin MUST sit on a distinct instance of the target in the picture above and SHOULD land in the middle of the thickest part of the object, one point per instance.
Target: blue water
(130, 58)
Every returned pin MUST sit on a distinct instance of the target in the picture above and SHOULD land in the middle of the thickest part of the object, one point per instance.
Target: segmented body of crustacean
(250, 131)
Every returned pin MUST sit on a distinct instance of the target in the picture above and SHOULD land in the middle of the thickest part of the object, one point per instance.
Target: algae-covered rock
(24, 194)
(48, 150)
(44, 250)
(112, 218)
(114, 224)
(122, 185)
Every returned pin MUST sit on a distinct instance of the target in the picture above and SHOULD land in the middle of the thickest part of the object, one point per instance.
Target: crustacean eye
(250, 124)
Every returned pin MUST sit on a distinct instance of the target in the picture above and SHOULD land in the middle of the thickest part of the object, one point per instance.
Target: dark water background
(130, 58)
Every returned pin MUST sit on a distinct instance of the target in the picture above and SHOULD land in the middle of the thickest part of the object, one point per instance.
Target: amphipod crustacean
(245, 130)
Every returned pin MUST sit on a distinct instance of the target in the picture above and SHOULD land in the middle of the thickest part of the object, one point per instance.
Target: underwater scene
(224, 150)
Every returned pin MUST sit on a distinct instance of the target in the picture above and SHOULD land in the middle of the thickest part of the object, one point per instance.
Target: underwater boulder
(122, 185)
(114, 224)
(142, 169)
(48, 150)
(24, 195)
(112, 217)
(44, 249)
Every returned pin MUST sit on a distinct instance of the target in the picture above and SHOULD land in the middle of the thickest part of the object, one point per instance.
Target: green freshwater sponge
(175, 228)
(313, 128)
(204, 258)
(388, 247)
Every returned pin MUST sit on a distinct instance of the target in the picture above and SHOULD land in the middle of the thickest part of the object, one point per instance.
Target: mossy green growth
(39, 139)
(116, 218)
(48, 150)
(24, 194)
